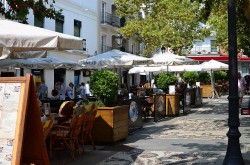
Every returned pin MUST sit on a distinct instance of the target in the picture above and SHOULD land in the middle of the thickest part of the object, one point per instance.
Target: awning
(217, 58)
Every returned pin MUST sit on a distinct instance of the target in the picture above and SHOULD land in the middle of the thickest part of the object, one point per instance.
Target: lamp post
(163, 48)
(233, 154)
(119, 40)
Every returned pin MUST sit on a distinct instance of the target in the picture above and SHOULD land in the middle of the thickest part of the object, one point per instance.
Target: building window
(38, 22)
(245, 68)
(59, 24)
(104, 46)
(77, 28)
(213, 46)
(84, 45)
(103, 12)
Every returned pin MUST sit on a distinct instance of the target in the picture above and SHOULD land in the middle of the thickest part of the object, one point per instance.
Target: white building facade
(96, 22)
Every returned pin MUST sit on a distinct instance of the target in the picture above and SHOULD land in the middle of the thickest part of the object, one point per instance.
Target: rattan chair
(89, 118)
(47, 126)
(66, 136)
(65, 111)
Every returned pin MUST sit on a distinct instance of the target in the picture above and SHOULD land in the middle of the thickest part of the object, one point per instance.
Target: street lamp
(233, 154)
(119, 40)
(163, 48)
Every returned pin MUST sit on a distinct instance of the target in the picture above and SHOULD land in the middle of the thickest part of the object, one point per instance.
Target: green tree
(215, 12)
(171, 23)
(19, 9)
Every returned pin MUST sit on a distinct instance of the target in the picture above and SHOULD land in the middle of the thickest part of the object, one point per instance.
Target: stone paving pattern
(197, 138)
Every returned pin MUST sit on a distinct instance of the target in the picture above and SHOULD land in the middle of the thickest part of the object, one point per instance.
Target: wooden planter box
(111, 124)
(173, 104)
(207, 90)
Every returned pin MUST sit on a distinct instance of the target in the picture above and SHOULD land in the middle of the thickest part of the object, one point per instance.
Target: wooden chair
(66, 136)
(89, 118)
(65, 111)
(47, 126)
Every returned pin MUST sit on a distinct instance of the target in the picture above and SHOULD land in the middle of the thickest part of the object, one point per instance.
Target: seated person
(123, 89)
(142, 92)
(181, 90)
(147, 85)
(69, 91)
(83, 106)
(54, 94)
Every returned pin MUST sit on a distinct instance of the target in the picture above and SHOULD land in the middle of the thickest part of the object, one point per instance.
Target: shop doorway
(59, 76)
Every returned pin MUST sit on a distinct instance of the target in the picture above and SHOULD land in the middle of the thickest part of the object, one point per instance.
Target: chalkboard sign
(21, 140)
(198, 98)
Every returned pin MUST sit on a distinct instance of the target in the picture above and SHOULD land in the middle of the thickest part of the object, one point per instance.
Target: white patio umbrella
(114, 58)
(49, 62)
(145, 69)
(212, 66)
(183, 68)
(172, 59)
(18, 37)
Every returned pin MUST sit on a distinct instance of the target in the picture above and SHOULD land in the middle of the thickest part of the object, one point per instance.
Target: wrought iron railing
(107, 18)
(203, 50)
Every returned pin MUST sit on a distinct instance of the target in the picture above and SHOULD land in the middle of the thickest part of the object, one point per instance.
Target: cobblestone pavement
(198, 138)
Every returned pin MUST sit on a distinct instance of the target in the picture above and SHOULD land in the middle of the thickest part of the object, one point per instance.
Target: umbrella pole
(214, 94)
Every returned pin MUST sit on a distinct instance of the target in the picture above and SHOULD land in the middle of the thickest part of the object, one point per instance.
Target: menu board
(19, 119)
(9, 100)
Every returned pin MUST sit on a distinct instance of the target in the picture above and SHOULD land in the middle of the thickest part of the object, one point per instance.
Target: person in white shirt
(83, 90)
(87, 90)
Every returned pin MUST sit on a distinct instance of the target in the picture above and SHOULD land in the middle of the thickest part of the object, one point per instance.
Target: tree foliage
(170, 23)
(204, 77)
(19, 9)
(176, 23)
(190, 77)
(217, 16)
(163, 80)
(105, 84)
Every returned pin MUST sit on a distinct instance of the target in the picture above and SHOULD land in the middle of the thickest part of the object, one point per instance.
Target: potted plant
(163, 80)
(220, 76)
(105, 85)
(206, 87)
(111, 123)
(190, 77)
(204, 78)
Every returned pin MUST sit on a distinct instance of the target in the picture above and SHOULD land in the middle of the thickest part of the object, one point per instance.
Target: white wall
(83, 79)
(84, 11)
(49, 79)
(25, 71)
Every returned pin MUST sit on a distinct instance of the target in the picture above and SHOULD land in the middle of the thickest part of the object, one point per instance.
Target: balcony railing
(108, 48)
(107, 18)
(203, 50)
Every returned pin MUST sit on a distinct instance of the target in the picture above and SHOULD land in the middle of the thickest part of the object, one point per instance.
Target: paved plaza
(191, 139)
